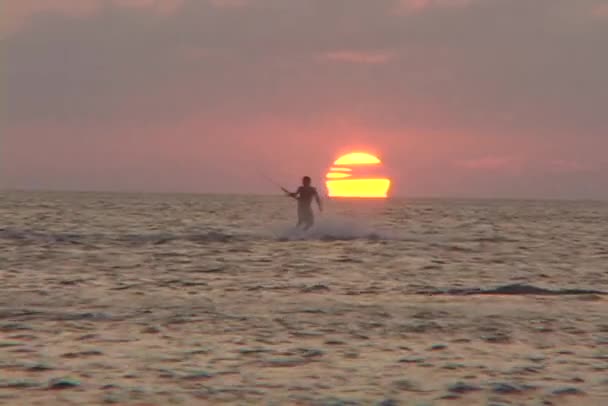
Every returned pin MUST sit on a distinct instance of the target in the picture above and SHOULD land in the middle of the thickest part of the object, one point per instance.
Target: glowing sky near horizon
(194, 95)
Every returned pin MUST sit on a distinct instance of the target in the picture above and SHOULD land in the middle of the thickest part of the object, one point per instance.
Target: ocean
(183, 299)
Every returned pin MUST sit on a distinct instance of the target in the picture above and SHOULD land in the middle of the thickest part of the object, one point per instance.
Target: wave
(326, 229)
(331, 229)
(38, 237)
(513, 289)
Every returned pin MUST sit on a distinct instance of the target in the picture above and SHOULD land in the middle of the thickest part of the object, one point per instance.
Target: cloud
(420, 5)
(162, 7)
(568, 166)
(230, 3)
(16, 14)
(361, 57)
(493, 163)
(600, 11)
(518, 165)
(445, 71)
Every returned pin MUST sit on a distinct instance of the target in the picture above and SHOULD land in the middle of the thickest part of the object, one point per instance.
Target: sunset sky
(463, 98)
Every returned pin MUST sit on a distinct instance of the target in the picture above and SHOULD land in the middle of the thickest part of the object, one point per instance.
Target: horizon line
(396, 196)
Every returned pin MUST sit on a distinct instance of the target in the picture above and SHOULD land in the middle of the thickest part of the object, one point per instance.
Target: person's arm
(318, 199)
(294, 194)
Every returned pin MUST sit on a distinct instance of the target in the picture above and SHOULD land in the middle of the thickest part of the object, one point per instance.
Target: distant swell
(514, 289)
(37, 237)
(326, 233)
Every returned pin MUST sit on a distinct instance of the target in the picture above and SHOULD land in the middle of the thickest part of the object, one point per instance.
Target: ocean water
(200, 299)
(451, 242)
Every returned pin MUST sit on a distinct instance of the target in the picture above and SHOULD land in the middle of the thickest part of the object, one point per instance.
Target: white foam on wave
(331, 229)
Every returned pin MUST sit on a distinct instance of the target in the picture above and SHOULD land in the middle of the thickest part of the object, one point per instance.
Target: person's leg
(309, 220)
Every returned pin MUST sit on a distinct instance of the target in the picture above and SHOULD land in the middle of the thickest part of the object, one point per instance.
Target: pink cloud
(361, 57)
(162, 7)
(409, 6)
(229, 3)
(601, 11)
(491, 162)
(17, 13)
(568, 166)
(516, 165)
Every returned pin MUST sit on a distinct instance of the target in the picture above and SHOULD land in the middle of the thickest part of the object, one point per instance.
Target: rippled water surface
(183, 299)
(480, 242)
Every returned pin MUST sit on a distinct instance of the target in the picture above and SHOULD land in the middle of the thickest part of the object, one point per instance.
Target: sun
(357, 174)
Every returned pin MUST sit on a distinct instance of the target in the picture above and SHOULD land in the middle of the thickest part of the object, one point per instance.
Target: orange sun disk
(353, 175)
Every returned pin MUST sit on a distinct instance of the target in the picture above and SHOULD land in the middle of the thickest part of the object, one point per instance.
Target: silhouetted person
(304, 196)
